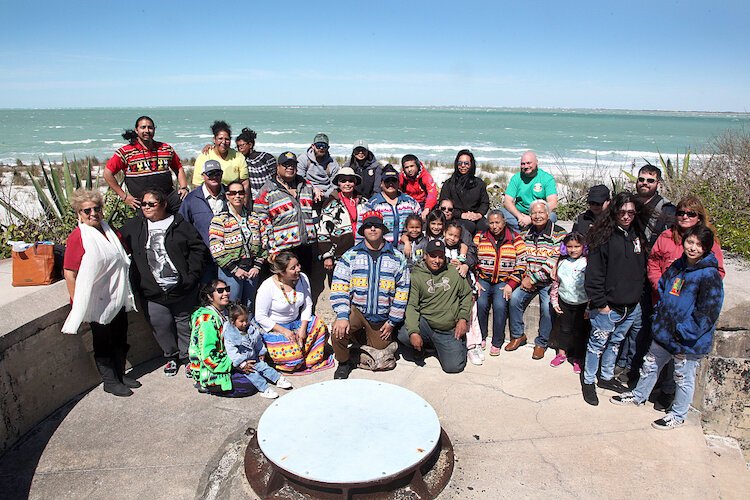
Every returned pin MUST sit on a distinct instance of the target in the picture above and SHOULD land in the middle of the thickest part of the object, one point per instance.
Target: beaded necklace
(283, 292)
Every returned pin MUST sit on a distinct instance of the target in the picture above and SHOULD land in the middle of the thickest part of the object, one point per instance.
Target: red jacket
(422, 187)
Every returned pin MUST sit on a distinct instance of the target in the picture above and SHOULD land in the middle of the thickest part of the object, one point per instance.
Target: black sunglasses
(321, 145)
(689, 213)
(149, 204)
(88, 211)
(214, 173)
(650, 180)
(222, 289)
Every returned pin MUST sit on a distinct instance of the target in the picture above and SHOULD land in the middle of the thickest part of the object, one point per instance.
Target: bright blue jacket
(690, 300)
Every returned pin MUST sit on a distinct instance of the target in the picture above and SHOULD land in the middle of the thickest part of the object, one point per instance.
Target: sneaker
(269, 393)
(589, 394)
(170, 369)
(283, 383)
(626, 398)
(576, 367)
(495, 351)
(473, 356)
(343, 371)
(612, 385)
(480, 352)
(667, 423)
(558, 360)
(663, 402)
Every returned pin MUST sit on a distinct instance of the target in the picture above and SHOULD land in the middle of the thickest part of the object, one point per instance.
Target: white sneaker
(283, 383)
(480, 351)
(269, 393)
(473, 356)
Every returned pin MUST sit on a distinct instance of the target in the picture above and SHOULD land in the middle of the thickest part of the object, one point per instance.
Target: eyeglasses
(222, 289)
(463, 163)
(689, 213)
(624, 213)
(446, 209)
(649, 180)
(348, 179)
(149, 204)
(240, 192)
(87, 211)
(321, 145)
(213, 174)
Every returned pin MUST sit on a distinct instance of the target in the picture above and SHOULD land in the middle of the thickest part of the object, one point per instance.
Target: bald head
(529, 164)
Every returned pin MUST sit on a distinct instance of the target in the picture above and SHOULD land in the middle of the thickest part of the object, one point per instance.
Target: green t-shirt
(525, 190)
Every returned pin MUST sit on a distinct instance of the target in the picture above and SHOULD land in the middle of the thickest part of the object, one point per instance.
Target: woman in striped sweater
(501, 264)
(234, 241)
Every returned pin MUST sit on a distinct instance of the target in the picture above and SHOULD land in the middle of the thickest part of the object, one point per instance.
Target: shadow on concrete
(19, 463)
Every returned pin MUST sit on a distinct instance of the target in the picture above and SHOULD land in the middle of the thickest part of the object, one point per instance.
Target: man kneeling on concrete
(438, 310)
(369, 291)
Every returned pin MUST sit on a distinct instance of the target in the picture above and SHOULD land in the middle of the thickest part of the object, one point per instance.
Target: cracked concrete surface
(520, 429)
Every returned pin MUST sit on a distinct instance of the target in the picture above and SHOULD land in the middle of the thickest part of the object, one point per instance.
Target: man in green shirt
(526, 186)
(439, 309)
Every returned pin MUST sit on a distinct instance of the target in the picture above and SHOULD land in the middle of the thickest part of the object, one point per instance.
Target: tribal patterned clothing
(335, 229)
(501, 259)
(542, 252)
(286, 221)
(376, 285)
(146, 168)
(232, 239)
(209, 363)
(394, 217)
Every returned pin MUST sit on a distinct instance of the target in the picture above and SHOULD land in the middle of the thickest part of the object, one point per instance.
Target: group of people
(229, 273)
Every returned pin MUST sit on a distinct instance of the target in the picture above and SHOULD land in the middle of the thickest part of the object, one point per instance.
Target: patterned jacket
(285, 221)
(542, 252)
(335, 235)
(379, 288)
(229, 246)
(503, 260)
(209, 363)
(393, 217)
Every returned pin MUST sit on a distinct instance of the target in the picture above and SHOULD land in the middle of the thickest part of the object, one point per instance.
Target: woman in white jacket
(96, 272)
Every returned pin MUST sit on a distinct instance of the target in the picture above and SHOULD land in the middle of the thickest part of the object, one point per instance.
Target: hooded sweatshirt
(370, 171)
(319, 173)
(690, 302)
(442, 298)
(421, 187)
(468, 192)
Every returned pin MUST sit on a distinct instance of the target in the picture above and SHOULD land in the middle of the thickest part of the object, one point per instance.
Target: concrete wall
(41, 368)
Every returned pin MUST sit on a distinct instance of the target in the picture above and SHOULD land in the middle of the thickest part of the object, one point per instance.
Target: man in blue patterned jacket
(369, 292)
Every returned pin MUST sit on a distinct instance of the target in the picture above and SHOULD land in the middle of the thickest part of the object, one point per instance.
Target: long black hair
(130, 135)
(468, 180)
(605, 224)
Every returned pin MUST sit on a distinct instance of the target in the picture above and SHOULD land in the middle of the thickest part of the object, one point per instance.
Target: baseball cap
(598, 193)
(211, 166)
(286, 157)
(321, 138)
(435, 246)
(389, 172)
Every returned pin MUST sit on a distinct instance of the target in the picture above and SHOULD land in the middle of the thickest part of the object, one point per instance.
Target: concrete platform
(520, 429)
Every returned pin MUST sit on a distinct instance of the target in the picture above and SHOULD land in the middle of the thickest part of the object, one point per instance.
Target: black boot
(119, 359)
(112, 383)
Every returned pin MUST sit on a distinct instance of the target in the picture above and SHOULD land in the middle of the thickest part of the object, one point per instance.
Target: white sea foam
(84, 141)
(278, 132)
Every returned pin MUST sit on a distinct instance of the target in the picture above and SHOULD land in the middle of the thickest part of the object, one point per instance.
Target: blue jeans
(512, 222)
(519, 301)
(262, 373)
(492, 296)
(242, 291)
(451, 353)
(607, 332)
(685, 366)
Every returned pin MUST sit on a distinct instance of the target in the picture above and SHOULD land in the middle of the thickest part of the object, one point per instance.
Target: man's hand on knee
(461, 328)
(416, 341)
(386, 330)
(340, 328)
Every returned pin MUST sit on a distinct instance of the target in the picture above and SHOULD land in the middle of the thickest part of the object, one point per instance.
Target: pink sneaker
(576, 367)
(558, 360)
(495, 351)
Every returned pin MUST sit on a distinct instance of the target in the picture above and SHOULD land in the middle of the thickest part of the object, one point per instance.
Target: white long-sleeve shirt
(272, 308)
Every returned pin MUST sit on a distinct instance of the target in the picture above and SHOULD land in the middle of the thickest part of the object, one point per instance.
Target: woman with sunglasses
(96, 267)
(468, 193)
(210, 365)
(168, 255)
(234, 241)
(338, 218)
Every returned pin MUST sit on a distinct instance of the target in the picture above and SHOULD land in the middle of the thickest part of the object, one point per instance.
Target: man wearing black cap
(369, 291)
(598, 199)
(439, 309)
(319, 168)
(393, 205)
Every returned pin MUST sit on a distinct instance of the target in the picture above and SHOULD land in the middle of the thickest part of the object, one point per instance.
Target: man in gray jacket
(318, 167)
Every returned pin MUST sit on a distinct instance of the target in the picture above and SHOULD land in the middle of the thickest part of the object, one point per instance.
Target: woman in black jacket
(167, 256)
(468, 193)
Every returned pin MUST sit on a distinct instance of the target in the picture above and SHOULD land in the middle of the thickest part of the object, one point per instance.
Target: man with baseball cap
(598, 199)
(369, 291)
(393, 205)
(318, 167)
(439, 309)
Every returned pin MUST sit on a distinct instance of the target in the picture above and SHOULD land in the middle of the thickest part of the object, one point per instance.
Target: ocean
(573, 139)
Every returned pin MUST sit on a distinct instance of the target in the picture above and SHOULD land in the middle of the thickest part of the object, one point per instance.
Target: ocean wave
(626, 154)
(278, 132)
(83, 141)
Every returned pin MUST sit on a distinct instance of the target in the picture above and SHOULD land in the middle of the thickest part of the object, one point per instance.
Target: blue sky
(678, 55)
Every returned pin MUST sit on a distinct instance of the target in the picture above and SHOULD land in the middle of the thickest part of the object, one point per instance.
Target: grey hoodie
(320, 175)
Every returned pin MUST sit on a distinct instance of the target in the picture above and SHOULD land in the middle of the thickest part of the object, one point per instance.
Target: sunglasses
(623, 213)
(213, 174)
(463, 163)
(149, 204)
(240, 192)
(88, 211)
(390, 180)
(348, 179)
(689, 213)
(321, 145)
(360, 151)
(222, 289)
(647, 181)
(446, 209)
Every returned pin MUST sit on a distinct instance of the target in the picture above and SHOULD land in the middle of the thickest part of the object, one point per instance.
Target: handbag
(34, 266)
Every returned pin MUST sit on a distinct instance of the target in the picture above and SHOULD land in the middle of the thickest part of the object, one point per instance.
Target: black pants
(112, 337)
(572, 332)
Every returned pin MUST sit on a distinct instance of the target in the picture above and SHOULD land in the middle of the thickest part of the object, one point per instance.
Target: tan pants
(362, 331)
